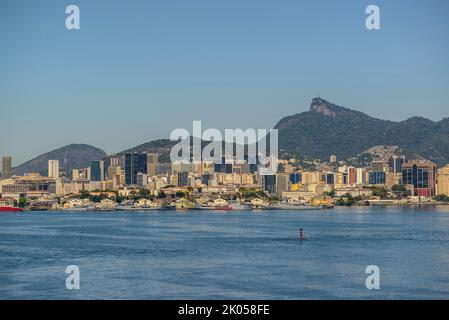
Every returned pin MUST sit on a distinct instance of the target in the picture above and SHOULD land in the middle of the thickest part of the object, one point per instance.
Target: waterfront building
(53, 169)
(421, 176)
(328, 178)
(377, 178)
(443, 180)
(96, 170)
(134, 163)
(6, 167)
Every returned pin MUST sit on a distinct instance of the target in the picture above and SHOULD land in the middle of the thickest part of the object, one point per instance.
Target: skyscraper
(134, 163)
(152, 162)
(421, 175)
(6, 167)
(443, 180)
(183, 179)
(53, 169)
(96, 168)
(269, 183)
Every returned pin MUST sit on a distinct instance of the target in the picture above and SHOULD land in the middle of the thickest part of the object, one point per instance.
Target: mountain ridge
(72, 156)
(331, 129)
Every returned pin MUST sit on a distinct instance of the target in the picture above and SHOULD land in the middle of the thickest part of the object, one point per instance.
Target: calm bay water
(227, 255)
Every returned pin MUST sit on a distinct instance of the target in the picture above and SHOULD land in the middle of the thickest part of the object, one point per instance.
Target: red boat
(225, 208)
(9, 209)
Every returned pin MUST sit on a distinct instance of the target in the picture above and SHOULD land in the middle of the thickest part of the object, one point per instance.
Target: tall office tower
(360, 176)
(6, 167)
(96, 169)
(141, 179)
(152, 162)
(269, 183)
(282, 183)
(183, 179)
(53, 169)
(396, 163)
(134, 163)
(421, 175)
(352, 175)
(443, 181)
(109, 161)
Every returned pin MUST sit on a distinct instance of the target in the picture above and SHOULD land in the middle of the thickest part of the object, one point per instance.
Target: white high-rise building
(53, 169)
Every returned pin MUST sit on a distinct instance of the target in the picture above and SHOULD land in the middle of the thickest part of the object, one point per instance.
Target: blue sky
(138, 69)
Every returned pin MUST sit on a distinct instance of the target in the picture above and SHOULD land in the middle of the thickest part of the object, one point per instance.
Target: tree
(84, 194)
(22, 202)
(441, 198)
(398, 188)
(379, 192)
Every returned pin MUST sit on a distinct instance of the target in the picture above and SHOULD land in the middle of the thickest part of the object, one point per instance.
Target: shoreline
(90, 210)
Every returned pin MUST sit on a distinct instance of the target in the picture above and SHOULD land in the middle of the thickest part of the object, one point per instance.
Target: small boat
(290, 206)
(224, 208)
(240, 206)
(10, 209)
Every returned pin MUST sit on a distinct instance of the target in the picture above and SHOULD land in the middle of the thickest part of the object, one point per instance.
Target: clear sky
(138, 69)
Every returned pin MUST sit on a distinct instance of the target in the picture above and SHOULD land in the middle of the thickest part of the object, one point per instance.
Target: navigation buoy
(301, 236)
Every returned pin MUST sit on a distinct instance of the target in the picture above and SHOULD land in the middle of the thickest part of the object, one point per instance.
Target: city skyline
(155, 60)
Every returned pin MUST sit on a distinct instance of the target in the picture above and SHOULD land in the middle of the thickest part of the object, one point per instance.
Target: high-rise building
(269, 183)
(361, 179)
(152, 162)
(377, 178)
(53, 169)
(396, 163)
(134, 163)
(205, 178)
(352, 175)
(141, 179)
(295, 178)
(109, 161)
(96, 168)
(443, 180)
(282, 182)
(183, 179)
(6, 167)
(421, 175)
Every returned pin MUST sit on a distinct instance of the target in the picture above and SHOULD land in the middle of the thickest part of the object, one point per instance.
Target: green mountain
(73, 156)
(328, 129)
